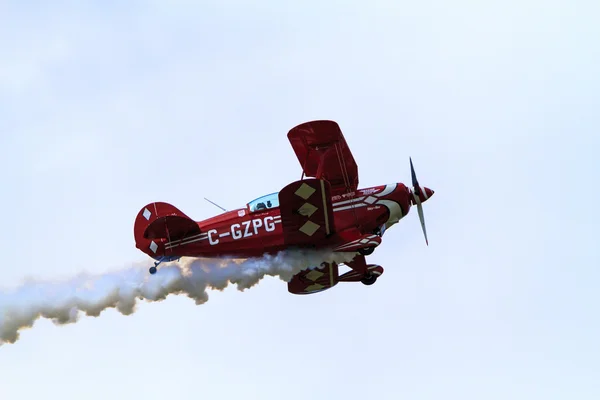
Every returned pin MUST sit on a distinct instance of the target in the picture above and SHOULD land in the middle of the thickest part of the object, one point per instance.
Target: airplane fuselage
(323, 210)
(251, 232)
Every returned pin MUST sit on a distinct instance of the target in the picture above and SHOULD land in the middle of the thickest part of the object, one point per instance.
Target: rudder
(158, 223)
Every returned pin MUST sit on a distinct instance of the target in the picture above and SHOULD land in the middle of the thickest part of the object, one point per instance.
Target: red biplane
(323, 210)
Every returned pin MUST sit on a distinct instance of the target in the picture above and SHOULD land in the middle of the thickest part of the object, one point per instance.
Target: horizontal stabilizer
(171, 227)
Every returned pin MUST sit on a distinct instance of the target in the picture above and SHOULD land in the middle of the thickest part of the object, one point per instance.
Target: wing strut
(344, 170)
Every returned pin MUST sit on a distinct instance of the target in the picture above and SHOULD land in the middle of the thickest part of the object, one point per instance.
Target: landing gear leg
(156, 264)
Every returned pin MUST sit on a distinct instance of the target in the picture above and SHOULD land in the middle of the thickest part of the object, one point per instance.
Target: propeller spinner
(419, 195)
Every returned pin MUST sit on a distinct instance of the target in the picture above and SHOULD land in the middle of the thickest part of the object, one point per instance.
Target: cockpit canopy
(264, 203)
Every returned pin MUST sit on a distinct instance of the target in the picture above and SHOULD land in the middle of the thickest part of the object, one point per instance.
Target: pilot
(260, 206)
(269, 203)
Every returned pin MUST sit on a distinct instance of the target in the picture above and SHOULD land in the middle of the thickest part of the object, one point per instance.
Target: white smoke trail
(63, 302)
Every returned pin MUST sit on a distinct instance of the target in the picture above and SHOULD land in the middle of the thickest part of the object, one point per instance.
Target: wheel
(366, 251)
(369, 279)
(152, 270)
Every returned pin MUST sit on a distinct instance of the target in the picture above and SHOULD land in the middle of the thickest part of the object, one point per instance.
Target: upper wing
(324, 154)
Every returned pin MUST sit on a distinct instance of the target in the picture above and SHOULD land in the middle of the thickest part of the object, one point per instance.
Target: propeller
(417, 191)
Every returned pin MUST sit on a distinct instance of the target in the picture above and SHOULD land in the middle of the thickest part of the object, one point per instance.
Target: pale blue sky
(105, 107)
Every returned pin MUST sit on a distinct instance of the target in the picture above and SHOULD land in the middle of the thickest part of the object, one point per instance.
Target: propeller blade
(415, 183)
(421, 216)
(416, 195)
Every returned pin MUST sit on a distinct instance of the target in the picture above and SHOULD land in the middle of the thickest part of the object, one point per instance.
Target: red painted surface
(324, 211)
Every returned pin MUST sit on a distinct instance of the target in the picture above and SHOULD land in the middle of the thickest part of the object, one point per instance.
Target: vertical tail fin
(158, 224)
